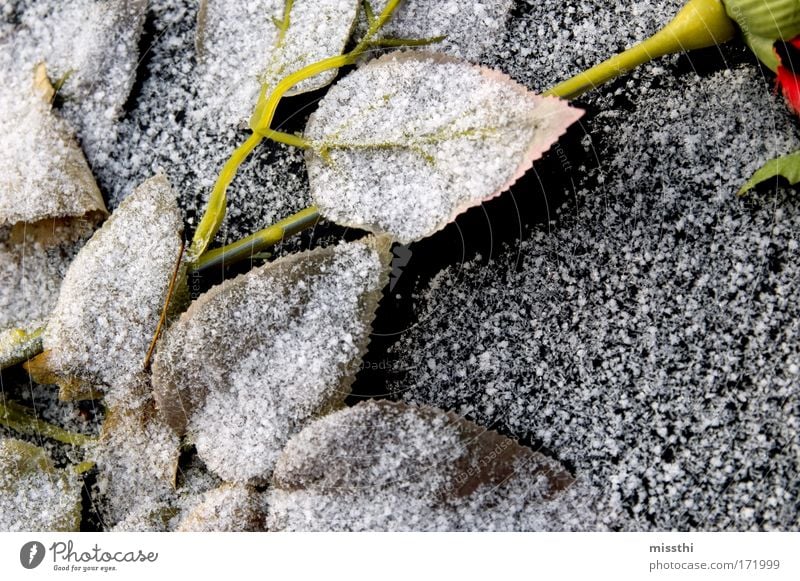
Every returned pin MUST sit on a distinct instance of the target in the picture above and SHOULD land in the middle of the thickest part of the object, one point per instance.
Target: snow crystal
(229, 508)
(405, 143)
(113, 293)
(254, 358)
(389, 466)
(471, 28)
(34, 495)
(649, 339)
(241, 48)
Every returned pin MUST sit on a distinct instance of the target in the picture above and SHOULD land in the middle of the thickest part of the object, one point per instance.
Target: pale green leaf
(787, 167)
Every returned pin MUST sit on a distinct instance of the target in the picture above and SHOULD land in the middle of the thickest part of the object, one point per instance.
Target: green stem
(261, 125)
(247, 247)
(399, 42)
(699, 24)
(268, 104)
(22, 420)
(215, 210)
(287, 138)
(83, 467)
(369, 12)
(284, 24)
(17, 345)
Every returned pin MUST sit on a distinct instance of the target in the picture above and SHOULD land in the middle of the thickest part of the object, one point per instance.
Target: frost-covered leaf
(787, 167)
(228, 509)
(45, 175)
(112, 297)
(49, 202)
(470, 28)
(165, 511)
(93, 45)
(407, 142)
(243, 45)
(137, 459)
(384, 465)
(34, 494)
(252, 360)
(153, 516)
(32, 266)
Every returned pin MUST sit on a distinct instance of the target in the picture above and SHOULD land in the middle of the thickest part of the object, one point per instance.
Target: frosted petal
(93, 46)
(34, 495)
(113, 294)
(137, 459)
(45, 175)
(229, 508)
(255, 358)
(384, 465)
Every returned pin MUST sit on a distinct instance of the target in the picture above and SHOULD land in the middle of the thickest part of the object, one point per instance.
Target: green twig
(261, 123)
(287, 138)
(398, 42)
(215, 210)
(284, 24)
(699, 24)
(17, 345)
(83, 467)
(255, 243)
(369, 12)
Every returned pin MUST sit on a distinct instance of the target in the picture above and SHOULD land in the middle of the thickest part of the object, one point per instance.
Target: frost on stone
(407, 142)
(227, 509)
(252, 360)
(546, 41)
(34, 494)
(112, 296)
(45, 176)
(241, 47)
(391, 466)
(93, 45)
(137, 460)
(470, 28)
(649, 334)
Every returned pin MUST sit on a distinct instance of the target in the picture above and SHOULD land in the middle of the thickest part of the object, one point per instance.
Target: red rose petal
(790, 85)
